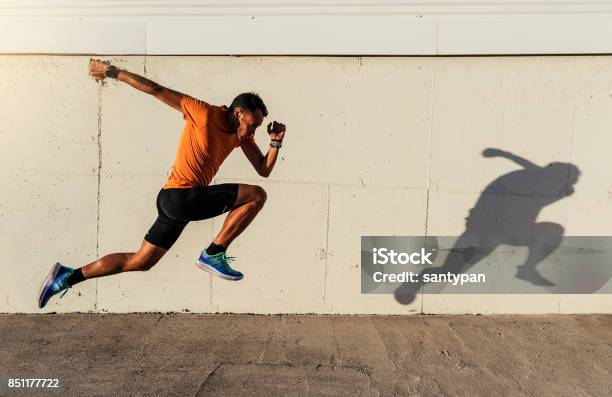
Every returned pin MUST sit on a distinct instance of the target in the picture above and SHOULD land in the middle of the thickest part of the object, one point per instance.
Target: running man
(209, 136)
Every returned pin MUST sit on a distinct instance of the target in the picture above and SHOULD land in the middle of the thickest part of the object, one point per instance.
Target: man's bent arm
(262, 164)
(268, 162)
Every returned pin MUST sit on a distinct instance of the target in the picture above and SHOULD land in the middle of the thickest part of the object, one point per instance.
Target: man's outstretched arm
(100, 70)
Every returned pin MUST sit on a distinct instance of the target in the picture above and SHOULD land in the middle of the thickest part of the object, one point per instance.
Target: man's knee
(251, 195)
(260, 196)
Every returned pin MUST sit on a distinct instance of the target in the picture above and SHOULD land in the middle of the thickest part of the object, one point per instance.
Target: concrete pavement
(289, 355)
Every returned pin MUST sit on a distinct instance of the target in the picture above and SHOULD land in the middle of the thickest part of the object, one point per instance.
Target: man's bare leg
(60, 278)
(249, 202)
(146, 257)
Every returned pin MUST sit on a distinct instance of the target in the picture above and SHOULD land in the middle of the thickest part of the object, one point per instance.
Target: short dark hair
(249, 101)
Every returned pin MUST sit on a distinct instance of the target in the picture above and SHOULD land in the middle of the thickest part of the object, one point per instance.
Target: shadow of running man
(506, 213)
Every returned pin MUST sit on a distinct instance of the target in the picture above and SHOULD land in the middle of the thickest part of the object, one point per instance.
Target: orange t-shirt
(205, 143)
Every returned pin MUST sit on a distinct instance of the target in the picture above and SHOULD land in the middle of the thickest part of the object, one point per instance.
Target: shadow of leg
(546, 239)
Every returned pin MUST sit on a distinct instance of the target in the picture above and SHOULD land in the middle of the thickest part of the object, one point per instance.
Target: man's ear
(239, 113)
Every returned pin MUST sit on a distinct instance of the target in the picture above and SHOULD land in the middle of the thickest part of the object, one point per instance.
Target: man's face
(249, 121)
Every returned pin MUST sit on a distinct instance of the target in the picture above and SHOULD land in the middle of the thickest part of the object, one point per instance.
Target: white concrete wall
(375, 146)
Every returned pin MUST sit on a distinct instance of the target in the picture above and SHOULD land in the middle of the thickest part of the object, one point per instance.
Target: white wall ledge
(273, 27)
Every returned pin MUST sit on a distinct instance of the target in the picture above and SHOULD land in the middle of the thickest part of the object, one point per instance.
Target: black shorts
(176, 207)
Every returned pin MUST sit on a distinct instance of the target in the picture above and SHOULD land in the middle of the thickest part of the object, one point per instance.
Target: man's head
(247, 112)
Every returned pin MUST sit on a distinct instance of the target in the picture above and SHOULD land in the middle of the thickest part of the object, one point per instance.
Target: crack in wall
(326, 245)
(429, 182)
(99, 143)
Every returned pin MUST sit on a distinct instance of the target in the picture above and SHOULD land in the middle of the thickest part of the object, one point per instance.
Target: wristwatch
(276, 143)
(112, 71)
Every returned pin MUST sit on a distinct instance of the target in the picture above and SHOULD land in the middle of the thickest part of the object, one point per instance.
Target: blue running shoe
(218, 265)
(54, 282)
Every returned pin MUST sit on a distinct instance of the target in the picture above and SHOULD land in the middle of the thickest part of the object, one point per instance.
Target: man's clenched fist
(98, 68)
(276, 130)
